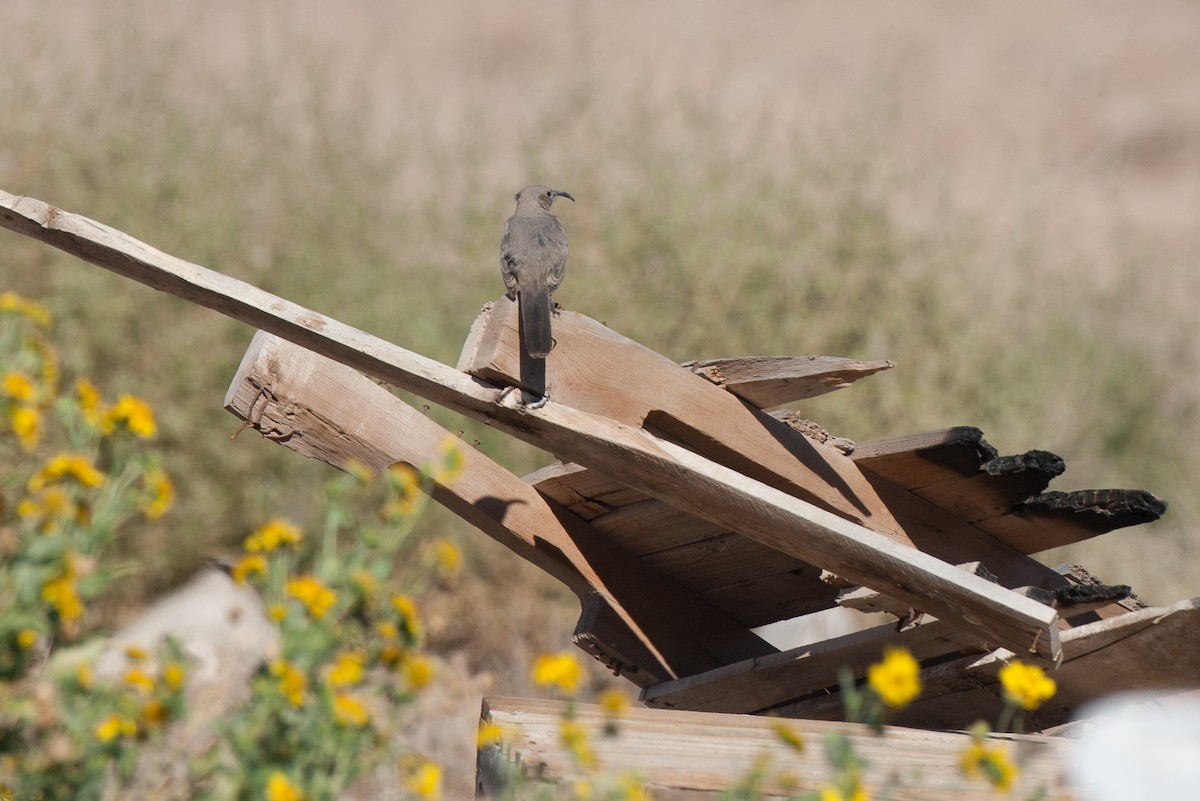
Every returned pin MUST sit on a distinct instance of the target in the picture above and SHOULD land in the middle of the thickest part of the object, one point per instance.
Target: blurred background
(1005, 200)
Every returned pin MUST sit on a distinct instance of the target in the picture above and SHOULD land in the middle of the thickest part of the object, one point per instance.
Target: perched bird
(533, 257)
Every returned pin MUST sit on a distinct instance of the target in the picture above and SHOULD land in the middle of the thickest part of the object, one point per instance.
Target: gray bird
(533, 258)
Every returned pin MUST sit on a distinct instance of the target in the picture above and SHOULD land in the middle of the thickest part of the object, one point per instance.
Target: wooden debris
(328, 411)
(596, 370)
(1054, 519)
(696, 755)
(770, 381)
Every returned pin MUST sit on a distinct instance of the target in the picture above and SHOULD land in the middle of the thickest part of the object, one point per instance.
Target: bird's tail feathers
(535, 323)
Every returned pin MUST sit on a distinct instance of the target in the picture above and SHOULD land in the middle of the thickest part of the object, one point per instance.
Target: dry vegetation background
(1004, 199)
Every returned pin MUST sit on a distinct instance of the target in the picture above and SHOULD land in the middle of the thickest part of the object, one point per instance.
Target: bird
(533, 258)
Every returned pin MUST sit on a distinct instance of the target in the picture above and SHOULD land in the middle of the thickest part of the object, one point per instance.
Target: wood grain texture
(596, 370)
(770, 381)
(695, 755)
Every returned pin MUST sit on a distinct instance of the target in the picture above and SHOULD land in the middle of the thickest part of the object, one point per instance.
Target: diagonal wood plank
(594, 369)
(330, 412)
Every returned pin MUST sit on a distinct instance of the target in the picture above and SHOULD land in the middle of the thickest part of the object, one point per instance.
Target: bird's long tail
(535, 322)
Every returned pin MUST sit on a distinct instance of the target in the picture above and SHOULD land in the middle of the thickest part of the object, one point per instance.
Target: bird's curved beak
(567, 195)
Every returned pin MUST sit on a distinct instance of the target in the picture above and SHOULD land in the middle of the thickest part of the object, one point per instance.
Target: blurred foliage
(697, 239)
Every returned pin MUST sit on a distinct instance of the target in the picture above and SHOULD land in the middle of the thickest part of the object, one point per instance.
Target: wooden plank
(594, 369)
(661, 468)
(770, 381)
(1054, 519)
(762, 684)
(586, 493)
(328, 411)
(693, 755)
(957, 470)
(926, 457)
(1154, 649)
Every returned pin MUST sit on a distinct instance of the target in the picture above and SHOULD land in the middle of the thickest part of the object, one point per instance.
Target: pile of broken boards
(685, 514)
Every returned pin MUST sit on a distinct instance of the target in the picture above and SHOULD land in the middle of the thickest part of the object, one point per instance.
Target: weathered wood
(959, 471)
(764, 683)
(328, 411)
(1155, 649)
(770, 381)
(1054, 519)
(666, 470)
(596, 370)
(694, 756)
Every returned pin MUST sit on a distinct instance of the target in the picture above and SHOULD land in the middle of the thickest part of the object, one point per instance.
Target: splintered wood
(683, 514)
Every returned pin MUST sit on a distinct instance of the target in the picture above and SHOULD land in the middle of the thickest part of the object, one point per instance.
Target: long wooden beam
(666, 470)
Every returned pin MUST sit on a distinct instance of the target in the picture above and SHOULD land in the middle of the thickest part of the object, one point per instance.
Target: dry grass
(1004, 200)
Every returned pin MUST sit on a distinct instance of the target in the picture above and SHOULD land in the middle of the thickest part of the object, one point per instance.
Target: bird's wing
(508, 260)
(555, 250)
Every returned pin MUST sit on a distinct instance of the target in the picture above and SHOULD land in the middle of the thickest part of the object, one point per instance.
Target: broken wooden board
(957, 470)
(1154, 649)
(783, 587)
(1053, 519)
(693, 755)
(325, 410)
(596, 370)
(771, 381)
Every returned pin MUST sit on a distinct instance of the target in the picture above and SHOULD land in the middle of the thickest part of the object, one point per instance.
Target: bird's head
(541, 195)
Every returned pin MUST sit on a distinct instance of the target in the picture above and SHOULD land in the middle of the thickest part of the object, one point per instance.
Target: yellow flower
(347, 669)
(560, 670)
(26, 638)
(897, 678)
(992, 763)
(161, 491)
(292, 683)
(405, 481)
(425, 781)
(277, 612)
(410, 621)
(364, 581)
(254, 563)
(631, 787)
(26, 423)
(136, 653)
(108, 729)
(1026, 685)
(447, 557)
(18, 386)
(489, 734)
(174, 676)
(66, 465)
(12, 302)
(134, 414)
(452, 461)
(387, 629)
(831, 793)
(788, 736)
(272, 535)
(280, 788)
(139, 680)
(83, 675)
(614, 702)
(154, 712)
(575, 739)
(349, 711)
(314, 595)
(418, 671)
(90, 403)
(61, 594)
